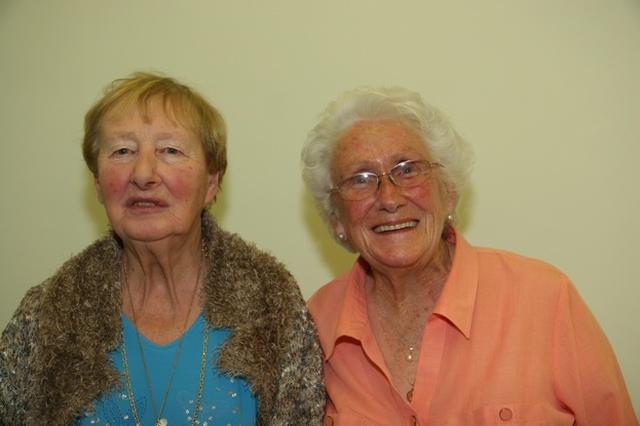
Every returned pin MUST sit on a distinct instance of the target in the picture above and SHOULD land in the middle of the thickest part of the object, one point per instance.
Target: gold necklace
(158, 414)
(408, 357)
(203, 368)
(410, 351)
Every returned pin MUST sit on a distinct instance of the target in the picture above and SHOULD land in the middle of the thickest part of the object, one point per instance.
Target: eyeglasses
(406, 174)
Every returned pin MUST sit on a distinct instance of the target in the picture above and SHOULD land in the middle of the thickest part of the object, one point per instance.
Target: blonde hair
(180, 103)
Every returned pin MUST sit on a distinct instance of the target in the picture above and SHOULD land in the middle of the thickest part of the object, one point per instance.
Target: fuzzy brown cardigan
(54, 352)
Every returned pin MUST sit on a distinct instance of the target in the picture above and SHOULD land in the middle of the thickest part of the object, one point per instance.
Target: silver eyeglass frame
(431, 165)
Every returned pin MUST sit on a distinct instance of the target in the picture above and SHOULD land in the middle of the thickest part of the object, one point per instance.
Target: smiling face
(152, 176)
(395, 227)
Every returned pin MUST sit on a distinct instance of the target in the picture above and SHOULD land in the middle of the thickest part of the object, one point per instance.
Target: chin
(148, 234)
(393, 259)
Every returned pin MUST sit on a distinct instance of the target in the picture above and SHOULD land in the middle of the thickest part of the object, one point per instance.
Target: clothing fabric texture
(54, 352)
(224, 401)
(509, 340)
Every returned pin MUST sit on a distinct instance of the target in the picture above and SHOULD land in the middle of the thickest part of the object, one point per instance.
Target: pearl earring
(341, 236)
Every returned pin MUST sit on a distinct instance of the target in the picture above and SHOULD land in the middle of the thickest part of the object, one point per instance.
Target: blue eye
(409, 169)
(359, 182)
(172, 151)
(122, 151)
(360, 179)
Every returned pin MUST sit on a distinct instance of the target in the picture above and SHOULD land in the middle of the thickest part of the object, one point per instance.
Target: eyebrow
(367, 166)
(123, 135)
(132, 135)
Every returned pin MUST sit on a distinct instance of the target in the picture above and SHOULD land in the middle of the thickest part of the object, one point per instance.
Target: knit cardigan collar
(80, 323)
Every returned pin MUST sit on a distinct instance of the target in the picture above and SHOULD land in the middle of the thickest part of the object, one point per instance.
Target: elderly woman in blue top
(168, 319)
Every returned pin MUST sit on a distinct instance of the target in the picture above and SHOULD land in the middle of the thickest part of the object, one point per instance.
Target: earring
(341, 236)
(450, 218)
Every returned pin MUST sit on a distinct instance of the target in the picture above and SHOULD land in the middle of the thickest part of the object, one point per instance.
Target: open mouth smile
(146, 202)
(396, 227)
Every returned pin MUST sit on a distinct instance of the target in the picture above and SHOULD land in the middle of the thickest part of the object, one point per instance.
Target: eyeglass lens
(405, 174)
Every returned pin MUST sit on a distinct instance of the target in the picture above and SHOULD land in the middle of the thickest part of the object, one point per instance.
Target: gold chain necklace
(157, 414)
(412, 347)
(408, 357)
(203, 367)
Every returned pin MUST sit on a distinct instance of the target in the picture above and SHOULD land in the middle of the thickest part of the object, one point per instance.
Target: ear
(212, 187)
(96, 183)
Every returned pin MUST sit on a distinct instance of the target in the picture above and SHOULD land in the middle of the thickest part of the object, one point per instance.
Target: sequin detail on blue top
(225, 401)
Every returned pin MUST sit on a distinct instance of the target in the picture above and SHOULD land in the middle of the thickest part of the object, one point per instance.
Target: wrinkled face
(152, 176)
(395, 227)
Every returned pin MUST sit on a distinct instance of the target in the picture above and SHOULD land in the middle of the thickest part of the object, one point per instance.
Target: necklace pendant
(162, 422)
(410, 395)
(410, 354)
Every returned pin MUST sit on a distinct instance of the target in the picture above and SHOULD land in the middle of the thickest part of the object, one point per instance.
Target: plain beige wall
(548, 93)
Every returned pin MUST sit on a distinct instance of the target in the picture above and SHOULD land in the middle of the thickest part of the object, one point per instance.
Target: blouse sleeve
(588, 379)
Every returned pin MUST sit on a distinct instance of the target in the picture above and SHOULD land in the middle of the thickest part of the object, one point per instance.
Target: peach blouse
(510, 341)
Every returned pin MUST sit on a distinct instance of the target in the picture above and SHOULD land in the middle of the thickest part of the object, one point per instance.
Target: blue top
(224, 401)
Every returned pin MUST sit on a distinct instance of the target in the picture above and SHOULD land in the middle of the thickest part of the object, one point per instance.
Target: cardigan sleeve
(300, 396)
(18, 347)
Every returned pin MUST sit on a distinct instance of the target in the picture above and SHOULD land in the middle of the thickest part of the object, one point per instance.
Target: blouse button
(505, 414)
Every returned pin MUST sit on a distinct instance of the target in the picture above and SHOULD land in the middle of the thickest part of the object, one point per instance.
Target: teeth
(145, 204)
(386, 228)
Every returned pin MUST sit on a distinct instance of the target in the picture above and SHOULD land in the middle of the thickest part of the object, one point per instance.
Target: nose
(381, 178)
(145, 170)
(389, 193)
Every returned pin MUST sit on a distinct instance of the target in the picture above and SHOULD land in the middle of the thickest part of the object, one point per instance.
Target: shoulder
(231, 251)
(330, 294)
(87, 278)
(240, 259)
(96, 259)
(497, 262)
(82, 293)
(46, 309)
(25, 318)
(99, 256)
(242, 280)
(233, 248)
(327, 304)
(516, 279)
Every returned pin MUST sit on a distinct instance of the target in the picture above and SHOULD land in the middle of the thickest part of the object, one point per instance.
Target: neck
(399, 306)
(161, 297)
(401, 288)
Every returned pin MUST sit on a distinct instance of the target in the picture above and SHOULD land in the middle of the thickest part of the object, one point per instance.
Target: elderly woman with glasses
(425, 328)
